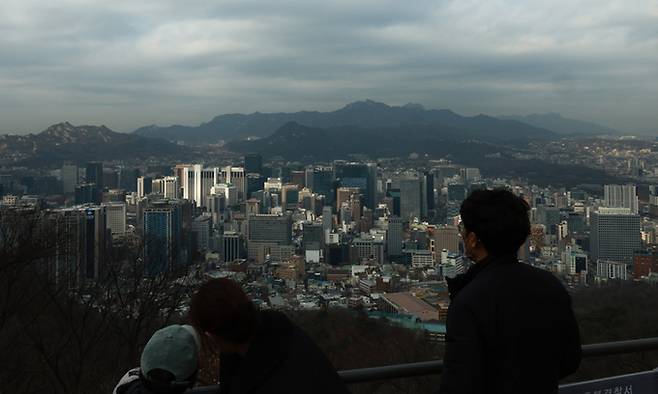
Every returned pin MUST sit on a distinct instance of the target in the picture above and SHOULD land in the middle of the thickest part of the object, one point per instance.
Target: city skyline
(128, 65)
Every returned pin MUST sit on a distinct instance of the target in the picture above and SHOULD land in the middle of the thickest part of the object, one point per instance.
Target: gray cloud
(127, 65)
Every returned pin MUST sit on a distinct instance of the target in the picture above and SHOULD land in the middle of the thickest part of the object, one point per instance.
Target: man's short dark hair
(222, 308)
(498, 218)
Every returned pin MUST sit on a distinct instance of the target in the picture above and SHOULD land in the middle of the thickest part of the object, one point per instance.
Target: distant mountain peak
(60, 126)
(365, 104)
(414, 106)
(65, 141)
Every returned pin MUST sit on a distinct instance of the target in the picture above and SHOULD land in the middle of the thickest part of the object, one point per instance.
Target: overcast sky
(126, 64)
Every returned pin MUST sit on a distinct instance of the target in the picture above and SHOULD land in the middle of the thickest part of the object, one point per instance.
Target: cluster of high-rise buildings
(343, 233)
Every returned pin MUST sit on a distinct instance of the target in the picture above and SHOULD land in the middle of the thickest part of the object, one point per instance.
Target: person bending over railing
(510, 327)
(260, 351)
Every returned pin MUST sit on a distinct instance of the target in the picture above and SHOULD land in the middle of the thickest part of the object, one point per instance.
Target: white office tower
(144, 186)
(187, 181)
(115, 218)
(230, 192)
(197, 182)
(621, 196)
(236, 176)
(273, 184)
(157, 186)
(171, 188)
(69, 175)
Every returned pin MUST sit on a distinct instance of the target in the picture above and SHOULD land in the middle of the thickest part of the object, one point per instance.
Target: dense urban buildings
(381, 236)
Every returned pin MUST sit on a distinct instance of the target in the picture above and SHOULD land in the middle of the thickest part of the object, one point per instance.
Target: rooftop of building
(412, 305)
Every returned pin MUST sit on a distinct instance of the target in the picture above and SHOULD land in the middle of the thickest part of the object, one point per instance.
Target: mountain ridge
(64, 141)
(495, 157)
(363, 114)
(556, 122)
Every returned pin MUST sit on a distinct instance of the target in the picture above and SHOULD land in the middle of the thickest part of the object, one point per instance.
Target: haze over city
(127, 65)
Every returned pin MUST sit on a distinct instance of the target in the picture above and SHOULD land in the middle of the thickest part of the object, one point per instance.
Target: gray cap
(174, 349)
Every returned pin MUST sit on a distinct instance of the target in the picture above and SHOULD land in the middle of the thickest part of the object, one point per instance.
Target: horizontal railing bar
(619, 347)
(434, 367)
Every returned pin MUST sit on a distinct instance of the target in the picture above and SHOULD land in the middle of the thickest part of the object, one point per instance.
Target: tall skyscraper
(614, 234)
(94, 173)
(229, 191)
(205, 178)
(345, 194)
(70, 177)
(171, 188)
(456, 192)
(429, 190)
(255, 182)
(271, 228)
(252, 207)
(69, 257)
(410, 199)
(360, 175)
(549, 216)
(289, 197)
(313, 237)
(447, 237)
(394, 236)
(110, 179)
(321, 181)
(298, 178)
(96, 242)
(162, 237)
(217, 207)
(253, 163)
(87, 193)
(128, 178)
(144, 186)
(621, 196)
(157, 186)
(327, 221)
(82, 245)
(115, 218)
(202, 230)
(188, 180)
(236, 176)
(269, 235)
(470, 174)
(393, 198)
(232, 246)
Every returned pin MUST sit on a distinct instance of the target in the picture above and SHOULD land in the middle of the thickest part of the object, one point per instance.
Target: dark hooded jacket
(281, 359)
(510, 329)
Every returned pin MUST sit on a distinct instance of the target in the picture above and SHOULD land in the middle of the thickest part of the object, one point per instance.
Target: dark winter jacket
(510, 329)
(281, 359)
(134, 383)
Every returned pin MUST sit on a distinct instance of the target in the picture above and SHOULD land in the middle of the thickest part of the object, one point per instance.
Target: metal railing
(435, 367)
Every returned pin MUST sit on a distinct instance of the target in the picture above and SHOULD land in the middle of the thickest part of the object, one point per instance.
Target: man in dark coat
(510, 326)
(260, 351)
